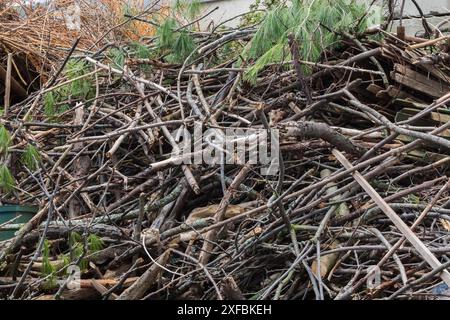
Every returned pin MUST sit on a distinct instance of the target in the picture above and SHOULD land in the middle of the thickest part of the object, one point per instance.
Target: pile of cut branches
(126, 155)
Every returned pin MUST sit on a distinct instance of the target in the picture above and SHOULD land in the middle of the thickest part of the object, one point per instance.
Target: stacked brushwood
(361, 192)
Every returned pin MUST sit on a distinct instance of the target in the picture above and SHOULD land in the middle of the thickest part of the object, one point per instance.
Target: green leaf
(75, 69)
(5, 140)
(7, 182)
(118, 57)
(48, 270)
(274, 54)
(193, 9)
(74, 237)
(80, 88)
(95, 243)
(141, 51)
(49, 104)
(183, 46)
(31, 157)
(47, 267)
(273, 27)
(165, 33)
(76, 242)
(66, 261)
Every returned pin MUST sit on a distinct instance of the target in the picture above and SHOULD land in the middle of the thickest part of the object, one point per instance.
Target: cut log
(138, 289)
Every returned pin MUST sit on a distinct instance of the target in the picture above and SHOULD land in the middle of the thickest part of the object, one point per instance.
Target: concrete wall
(414, 26)
(227, 9)
(427, 6)
(231, 8)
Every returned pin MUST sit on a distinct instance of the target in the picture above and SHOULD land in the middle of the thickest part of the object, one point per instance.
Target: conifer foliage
(314, 23)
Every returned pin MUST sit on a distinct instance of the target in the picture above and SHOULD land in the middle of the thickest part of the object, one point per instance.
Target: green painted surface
(25, 213)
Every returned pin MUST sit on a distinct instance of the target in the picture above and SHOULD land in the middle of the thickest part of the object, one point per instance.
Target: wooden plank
(419, 82)
(417, 85)
(422, 249)
(374, 88)
(396, 93)
(419, 76)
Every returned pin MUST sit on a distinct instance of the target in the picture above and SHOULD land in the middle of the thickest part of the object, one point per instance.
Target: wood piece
(16, 87)
(230, 289)
(419, 82)
(395, 93)
(8, 81)
(148, 279)
(427, 43)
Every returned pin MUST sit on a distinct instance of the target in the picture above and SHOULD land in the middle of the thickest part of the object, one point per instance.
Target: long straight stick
(8, 83)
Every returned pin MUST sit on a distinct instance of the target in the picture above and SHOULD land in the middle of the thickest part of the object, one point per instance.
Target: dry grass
(40, 36)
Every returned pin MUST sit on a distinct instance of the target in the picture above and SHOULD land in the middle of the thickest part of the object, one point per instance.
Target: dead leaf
(275, 116)
(445, 224)
(253, 233)
(210, 211)
(327, 262)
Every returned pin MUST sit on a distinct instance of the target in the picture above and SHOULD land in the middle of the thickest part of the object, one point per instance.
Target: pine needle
(183, 46)
(5, 140)
(31, 157)
(310, 21)
(166, 34)
(7, 182)
(95, 243)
